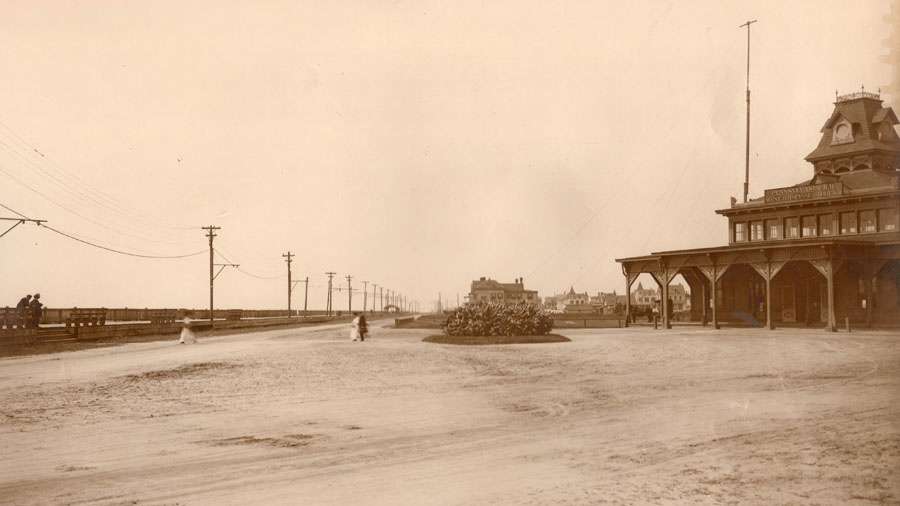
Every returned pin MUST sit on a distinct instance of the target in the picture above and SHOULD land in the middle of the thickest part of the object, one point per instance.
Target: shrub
(493, 319)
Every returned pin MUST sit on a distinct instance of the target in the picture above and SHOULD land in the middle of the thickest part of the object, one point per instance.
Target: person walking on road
(354, 328)
(187, 335)
(363, 328)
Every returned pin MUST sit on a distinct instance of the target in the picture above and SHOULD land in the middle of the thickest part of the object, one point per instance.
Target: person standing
(36, 310)
(354, 328)
(22, 310)
(363, 328)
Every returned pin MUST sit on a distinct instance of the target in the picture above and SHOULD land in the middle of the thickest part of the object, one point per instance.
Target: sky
(415, 145)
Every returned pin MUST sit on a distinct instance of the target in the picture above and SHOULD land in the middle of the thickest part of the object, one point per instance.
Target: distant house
(648, 297)
(644, 297)
(607, 302)
(681, 297)
(489, 290)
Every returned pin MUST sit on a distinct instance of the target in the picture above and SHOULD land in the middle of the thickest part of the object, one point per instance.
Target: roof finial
(862, 87)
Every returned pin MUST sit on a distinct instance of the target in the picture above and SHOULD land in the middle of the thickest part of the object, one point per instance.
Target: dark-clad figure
(36, 310)
(363, 328)
(23, 304)
(22, 309)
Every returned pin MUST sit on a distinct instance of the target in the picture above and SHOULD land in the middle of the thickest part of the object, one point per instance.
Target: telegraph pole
(381, 307)
(328, 303)
(305, 292)
(288, 257)
(374, 297)
(365, 295)
(747, 146)
(349, 295)
(210, 232)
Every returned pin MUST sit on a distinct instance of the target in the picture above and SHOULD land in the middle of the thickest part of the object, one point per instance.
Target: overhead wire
(61, 184)
(67, 208)
(100, 246)
(139, 255)
(101, 199)
(240, 269)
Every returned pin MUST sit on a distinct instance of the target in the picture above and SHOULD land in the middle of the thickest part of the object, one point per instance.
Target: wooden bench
(162, 316)
(10, 319)
(86, 318)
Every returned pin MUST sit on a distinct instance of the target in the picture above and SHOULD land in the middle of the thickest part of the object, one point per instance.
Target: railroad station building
(820, 253)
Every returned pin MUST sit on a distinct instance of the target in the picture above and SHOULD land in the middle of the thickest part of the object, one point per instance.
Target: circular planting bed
(481, 340)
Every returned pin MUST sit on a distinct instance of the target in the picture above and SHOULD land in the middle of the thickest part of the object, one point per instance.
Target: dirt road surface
(304, 416)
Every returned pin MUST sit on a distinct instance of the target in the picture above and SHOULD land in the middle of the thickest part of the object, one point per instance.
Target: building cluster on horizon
(489, 290)
(611, 302)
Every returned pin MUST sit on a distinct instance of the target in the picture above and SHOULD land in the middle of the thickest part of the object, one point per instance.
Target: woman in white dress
(354, 328)
(187, 335)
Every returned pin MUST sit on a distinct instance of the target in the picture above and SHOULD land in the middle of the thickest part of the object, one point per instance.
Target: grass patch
(481, 340)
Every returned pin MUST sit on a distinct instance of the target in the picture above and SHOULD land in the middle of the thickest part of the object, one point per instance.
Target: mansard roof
(865, 112)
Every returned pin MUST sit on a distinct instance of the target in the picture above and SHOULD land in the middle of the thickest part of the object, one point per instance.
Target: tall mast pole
(747, 144)
(210, 232)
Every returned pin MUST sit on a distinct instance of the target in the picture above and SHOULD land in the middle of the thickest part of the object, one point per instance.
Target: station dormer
(859, 135)
(855, 189)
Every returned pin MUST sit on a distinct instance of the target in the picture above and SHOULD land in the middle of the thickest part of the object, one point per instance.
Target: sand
(304, 416)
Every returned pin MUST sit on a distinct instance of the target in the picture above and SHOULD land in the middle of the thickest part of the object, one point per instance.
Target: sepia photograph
(479, 252)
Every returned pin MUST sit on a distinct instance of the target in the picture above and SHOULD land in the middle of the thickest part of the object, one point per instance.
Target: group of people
(33, 304)
(359, 330)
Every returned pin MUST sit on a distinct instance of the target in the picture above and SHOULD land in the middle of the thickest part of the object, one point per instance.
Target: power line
(106, 248)
(68, 209)
(13, 211)
(111, 202)
(218, 251)
(113, 250)
(105, 209)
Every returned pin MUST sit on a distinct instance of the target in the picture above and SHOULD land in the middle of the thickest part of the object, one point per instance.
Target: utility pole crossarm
(222, 268)
(19, 221)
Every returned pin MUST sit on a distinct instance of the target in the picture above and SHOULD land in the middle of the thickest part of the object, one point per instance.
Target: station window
(887, 220)
(773, 229)
(791, 228)
(740, 232)
(809, 226)
(848, 223)
(826, 224)
(867, 221)
(756, 231)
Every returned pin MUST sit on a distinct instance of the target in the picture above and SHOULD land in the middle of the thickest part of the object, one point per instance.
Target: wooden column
(769, 323)
(665, 302)
(829, 276)
(704, 299)
(867, 284)
(715, 305)
(628, 281)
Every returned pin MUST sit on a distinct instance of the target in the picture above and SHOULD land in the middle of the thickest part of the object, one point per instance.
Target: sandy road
(303, 416)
